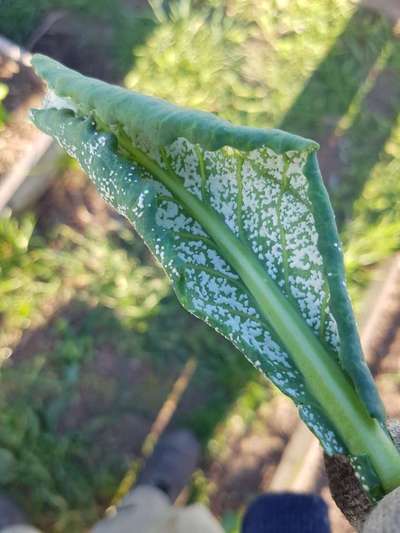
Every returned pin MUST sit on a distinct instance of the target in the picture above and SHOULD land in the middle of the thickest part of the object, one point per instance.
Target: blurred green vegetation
(374, 232)
(3, 113)
(258, 62)
(96, 265)
(234, 57)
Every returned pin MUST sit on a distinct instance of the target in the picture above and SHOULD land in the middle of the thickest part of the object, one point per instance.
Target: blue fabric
(287, 513)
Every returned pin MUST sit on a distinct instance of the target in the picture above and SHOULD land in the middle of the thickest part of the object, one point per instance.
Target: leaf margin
(163, 122)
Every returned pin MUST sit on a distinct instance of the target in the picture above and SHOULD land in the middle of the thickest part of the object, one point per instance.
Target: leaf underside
(265, 186)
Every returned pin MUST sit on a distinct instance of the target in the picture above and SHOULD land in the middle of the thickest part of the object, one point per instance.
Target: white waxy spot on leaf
(263, 199)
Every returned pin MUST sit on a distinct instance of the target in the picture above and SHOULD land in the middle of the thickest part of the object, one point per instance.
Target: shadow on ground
(366, 76)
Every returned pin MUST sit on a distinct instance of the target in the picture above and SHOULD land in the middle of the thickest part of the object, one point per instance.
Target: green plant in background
(3, 94)
(231, 523)
(376, 220)
(242, 224)
(179, 53)
(51, 469)
(20, 264)
(61, 485)
(233, 58)
(31, 272)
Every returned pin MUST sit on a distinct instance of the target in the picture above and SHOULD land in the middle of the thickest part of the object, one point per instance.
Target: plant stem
(332, 389)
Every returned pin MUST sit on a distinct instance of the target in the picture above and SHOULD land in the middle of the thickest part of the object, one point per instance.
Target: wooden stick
(31, 175)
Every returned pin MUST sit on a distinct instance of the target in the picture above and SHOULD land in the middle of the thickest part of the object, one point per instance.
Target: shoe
(172, 463)
(287, 513)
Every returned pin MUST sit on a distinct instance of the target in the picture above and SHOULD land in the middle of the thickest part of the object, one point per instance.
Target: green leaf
(3, 91)
(3, 113)
(241, 222)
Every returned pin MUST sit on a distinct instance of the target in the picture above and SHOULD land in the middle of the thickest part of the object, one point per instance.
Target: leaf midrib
(324, 378)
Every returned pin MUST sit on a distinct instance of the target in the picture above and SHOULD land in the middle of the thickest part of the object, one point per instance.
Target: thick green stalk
(324, 378)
